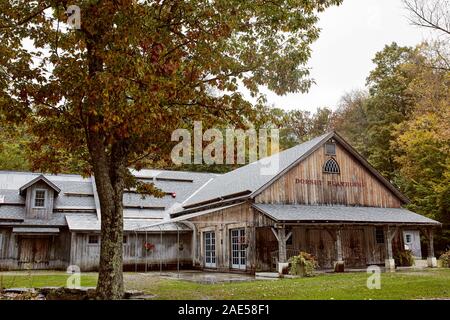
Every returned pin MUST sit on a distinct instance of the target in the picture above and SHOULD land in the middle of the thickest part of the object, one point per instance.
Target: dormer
(39, 196)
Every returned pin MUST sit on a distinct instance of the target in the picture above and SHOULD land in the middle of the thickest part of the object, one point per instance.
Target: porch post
(73, 245)
(282, 245)
(280, 234)
(339, 264)
(431, 259)
(389, 262)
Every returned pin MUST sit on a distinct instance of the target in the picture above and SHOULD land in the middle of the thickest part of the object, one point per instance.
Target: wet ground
(207, 277)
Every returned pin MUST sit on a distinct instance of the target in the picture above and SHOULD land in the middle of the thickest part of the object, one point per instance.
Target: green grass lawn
(399, 285)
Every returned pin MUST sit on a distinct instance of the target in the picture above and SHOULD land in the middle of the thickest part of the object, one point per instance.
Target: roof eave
(217, 199)
(339, 222)
(374, 171)
(217, 204)
(316, 222)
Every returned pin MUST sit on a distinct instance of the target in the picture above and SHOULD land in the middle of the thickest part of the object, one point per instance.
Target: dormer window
(331, 166)
(39, 198)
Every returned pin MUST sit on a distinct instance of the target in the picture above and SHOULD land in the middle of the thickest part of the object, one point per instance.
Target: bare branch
(433, 14)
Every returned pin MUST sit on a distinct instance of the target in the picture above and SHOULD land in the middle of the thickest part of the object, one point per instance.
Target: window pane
(331, 166)
(39, 198)
(93, 239)
(379, 235)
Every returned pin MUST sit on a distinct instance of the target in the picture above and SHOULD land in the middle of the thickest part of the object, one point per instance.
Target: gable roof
(39, 178)
(251, 179)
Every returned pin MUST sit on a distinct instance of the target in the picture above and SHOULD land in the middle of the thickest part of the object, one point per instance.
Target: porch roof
(344, 214)
(36, 231)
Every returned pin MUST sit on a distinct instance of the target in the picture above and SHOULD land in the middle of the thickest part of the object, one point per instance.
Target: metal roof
(38, 179)
(89, 222)
(77, 194)
(253, 176)
(203, 212)
(8, 212)
(311, 213)
(58, 220)
(37, 231)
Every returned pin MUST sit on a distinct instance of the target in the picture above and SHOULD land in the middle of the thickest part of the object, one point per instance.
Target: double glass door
(238, 249)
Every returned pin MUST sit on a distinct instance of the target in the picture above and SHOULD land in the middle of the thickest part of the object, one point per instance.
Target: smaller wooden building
(53, 221)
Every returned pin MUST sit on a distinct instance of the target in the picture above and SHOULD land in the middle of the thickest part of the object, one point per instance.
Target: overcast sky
(342, 56)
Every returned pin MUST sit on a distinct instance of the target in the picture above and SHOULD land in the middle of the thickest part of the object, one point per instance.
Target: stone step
(272, 275)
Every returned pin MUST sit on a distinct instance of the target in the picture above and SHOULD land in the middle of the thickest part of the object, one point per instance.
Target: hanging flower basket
(149, 246)
(242, 242)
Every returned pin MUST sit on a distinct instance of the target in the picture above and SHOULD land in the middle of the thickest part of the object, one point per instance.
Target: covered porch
(341, 237)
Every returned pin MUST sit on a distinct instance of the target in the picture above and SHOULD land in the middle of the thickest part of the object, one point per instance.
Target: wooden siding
(307, 184)
(322, 246)
(21, 252)
(58, 252)
(358, 244)
(135, 256)
(39, 213)
(375, 252)
(222, 222)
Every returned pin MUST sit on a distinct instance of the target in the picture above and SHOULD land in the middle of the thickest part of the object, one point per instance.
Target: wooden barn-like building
(321, 197)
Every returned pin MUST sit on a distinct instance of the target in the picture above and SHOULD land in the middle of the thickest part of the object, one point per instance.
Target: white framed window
(39, 198)
(238, 249)
(93, 239)
(125, 239)
(408, 238)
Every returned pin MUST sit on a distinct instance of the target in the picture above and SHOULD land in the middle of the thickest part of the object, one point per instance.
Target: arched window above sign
(331, 166)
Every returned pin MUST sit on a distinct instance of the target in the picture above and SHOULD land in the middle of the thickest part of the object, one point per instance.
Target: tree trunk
(110, 278)
(109, 178)
(109, 166)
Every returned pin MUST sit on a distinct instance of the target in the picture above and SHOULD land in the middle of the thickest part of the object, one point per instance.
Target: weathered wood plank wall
(307, 184)
(21, 252)
(167, 252)
(358, 243)
(222, 222)
(39, 213)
